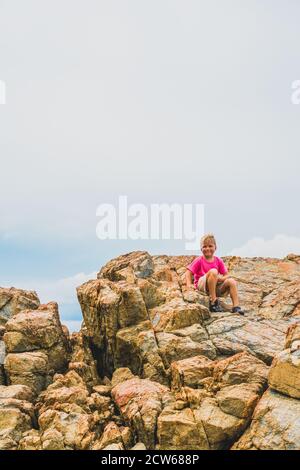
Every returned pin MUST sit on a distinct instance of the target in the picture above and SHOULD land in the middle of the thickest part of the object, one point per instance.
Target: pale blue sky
(163, 101)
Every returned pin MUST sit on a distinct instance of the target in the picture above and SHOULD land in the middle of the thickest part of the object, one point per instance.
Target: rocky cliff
(152, 367)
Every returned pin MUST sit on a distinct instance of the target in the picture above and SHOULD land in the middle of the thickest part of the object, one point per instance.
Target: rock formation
(151, 367)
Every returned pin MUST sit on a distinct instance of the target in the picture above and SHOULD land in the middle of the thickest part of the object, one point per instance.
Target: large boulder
(284, 375)
(36, 347)
(214, 401)
(231, 334)
(114, 434)
(140, 402)
(181, 429)
(266, 285)
(13, 300)
(275, 425)
(191, 372)
(19, 392)
(28, 368)
(137, 347)
(16, 414)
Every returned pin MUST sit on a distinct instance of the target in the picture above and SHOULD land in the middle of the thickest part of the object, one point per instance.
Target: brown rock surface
(16, 414)
(151, 368)
(2, 357)
(140, 402)
(218, 398)
(28, 368)
(284, 374)
(82, 360)
(275, 425)
(36, 347)
(13, 300)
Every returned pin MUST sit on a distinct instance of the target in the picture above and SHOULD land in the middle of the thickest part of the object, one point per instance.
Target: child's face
(208, 249)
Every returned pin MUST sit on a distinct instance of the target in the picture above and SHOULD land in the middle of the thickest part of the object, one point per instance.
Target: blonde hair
(206, 237)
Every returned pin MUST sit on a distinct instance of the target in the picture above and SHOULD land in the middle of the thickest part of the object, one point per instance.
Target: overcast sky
(175, 101)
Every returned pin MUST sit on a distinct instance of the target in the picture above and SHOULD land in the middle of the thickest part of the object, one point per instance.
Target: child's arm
(223, 272)
(189, 278)
(222, 277)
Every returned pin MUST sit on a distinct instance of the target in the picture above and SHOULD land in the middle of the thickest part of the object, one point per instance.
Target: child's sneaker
(215, 307)
(238, 310)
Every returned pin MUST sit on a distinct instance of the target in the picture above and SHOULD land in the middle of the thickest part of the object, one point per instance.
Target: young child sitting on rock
(211, 276)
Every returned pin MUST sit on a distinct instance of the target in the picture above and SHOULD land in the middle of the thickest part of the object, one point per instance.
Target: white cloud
(130, 86)
(278, 247)
(62, 290)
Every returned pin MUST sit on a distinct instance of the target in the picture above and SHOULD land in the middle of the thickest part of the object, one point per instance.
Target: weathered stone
(82, 360)
(144, 330)
(114, 447)
(292, 339)
(132, 308)
(16, 415)
(220, 428)
(137, 348)
(13, 300)
(113, 434)
(141, 401)
(104, 390)
(177, 314)
(52, 439)
(239, 400)
(121, 375)
(275, 425)
(196, 332)
(30, 440)
(191, 372)
(37, 347)
(69, 416)
(139, 446)
(73, 429)
(19, 392)
(40, 330)
(12, 424)
(139, 262)
(173, 347)
(226, 394)
(28, 368)
(181, 430)
(281, 302)
(240, 368)
(284, 375)
(151, 292)
(232, 334)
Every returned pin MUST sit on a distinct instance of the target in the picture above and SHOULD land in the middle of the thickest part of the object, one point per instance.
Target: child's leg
(231, 285)
(202, 284)
(211, 283)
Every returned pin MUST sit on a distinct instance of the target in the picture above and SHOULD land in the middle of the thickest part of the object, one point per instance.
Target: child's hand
(222, 278)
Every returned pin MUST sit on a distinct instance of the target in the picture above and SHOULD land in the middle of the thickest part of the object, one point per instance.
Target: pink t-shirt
(200, 266)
